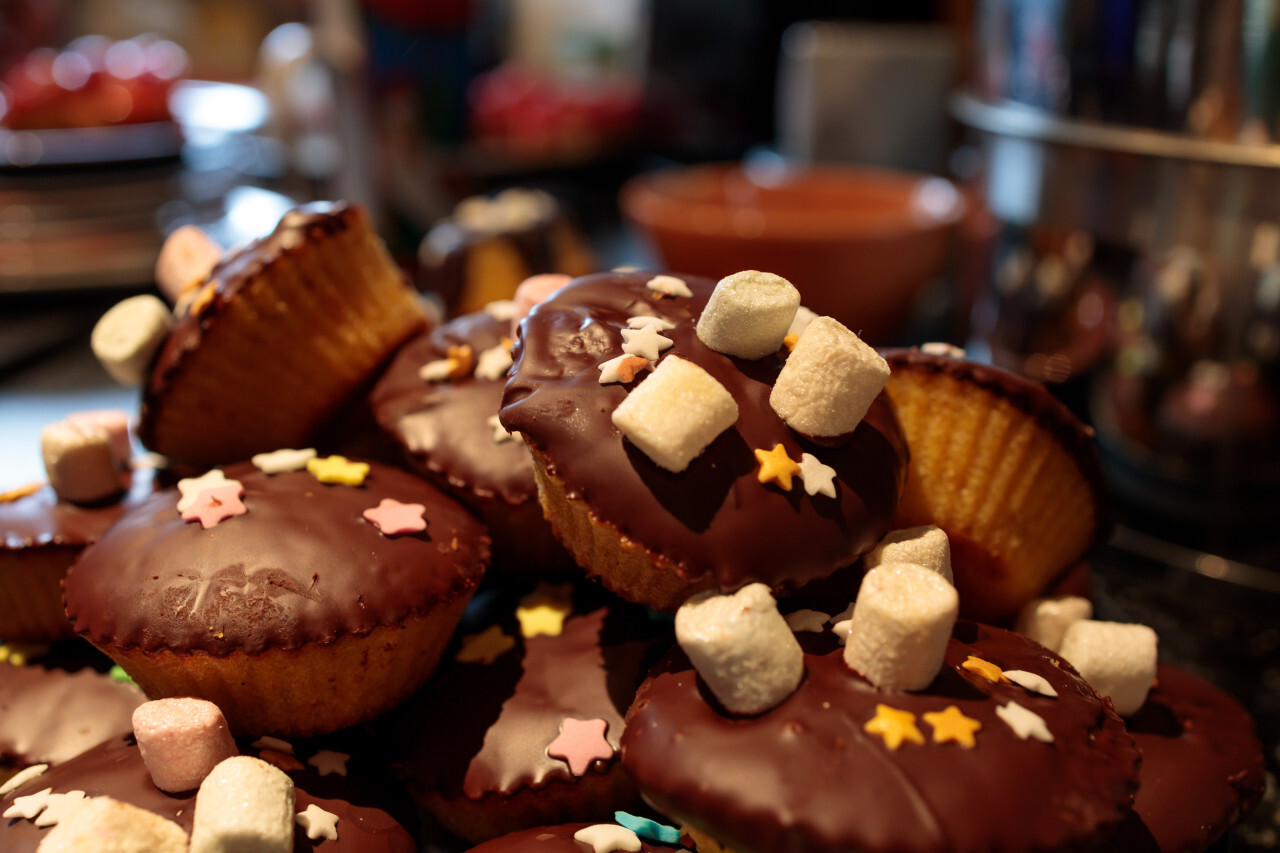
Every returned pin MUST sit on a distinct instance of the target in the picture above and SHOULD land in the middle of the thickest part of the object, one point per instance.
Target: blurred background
(1087, 193)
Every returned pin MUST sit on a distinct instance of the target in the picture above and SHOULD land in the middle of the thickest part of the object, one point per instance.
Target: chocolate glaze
(554, 839)
(115, 768)
(714, 517)
(1202, 766)
(40, 519)
(301, 566)
(235, 271)
(441, 426)
(501, 716)
(1032, 398)
(49, 715)
(805, 777)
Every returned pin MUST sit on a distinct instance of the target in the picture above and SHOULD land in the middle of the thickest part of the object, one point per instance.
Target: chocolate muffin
(307, 612)
(655, 536)
(810, 776)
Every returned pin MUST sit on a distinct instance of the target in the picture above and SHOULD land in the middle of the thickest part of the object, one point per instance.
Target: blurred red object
(860, 244)
(93, 82)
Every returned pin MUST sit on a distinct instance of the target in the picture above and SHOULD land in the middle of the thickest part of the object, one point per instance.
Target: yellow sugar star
(776, 466)
(951, 725)
(790, 342)
(20, 492)
(485, 647)
(338, 469)
(986, 669)
(544, 618)
(894, 726)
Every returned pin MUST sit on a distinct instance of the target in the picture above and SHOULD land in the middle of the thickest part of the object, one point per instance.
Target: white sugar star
(646, 342)
(60, 807)
(501, 309)
(841, 630)
(1025, 723)
(642, 320)
(436, 371)
(608, 837)
(609, 369)
(493, 362)
(500, 433)
(22, 777)
(1032, 682)
(816, 476)
(191, 487)
(280, 461)
(327, 761)
(806, 620)
(269, 742)
(669, 285)
(842, 616)
(318, 823)
(29, 806)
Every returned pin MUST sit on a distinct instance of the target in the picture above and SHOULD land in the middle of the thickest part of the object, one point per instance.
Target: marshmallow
(675, 412)
(181, 740)
(829, 381)
(105, 825)
(742, 647)
(128, 335)
(748, 314)
(80, 462)
(901, 622)
(532, 291)
(804, 316)
(244, 806)
(1045, 620)
(186, 259)
(116, 423)
(1118, 660)
(926, 546)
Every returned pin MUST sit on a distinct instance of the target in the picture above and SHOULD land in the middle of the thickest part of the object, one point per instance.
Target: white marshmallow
(186, 259)
(1045, 620)
(675, 412)
(748, 314)
(829, 381)
(116, 423)
(901, 622)
(742, 647)
(80, 461)
(804, 316)
(1117, 659)
(244, 806)
(105, 825)
(926, 546)
(128, 335)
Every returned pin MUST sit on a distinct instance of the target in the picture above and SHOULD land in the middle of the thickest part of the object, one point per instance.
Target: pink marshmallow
(186, 258)
(116, 423)
(181, 740)
(532, 291)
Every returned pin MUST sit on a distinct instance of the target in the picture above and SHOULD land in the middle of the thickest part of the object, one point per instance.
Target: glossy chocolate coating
(301, 566)
(115, 769)
(805, 777)
(40, 519)
(1202, 766)
(442, 426)
(235, 271)
(499, 717)
(50, 715)
(555, 839)
(715, 517)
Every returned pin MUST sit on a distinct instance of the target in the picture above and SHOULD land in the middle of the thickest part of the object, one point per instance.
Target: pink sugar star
(580, 743)
(393, 518)
(216, 504)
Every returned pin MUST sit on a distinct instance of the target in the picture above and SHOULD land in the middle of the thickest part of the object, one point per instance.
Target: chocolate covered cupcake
(439, 402)
(656, 535)
(300, 601)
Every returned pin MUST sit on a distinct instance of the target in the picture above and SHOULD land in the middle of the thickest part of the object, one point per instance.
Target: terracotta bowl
(858, 243)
